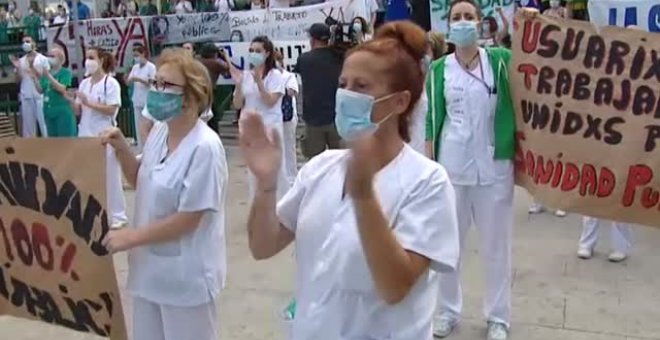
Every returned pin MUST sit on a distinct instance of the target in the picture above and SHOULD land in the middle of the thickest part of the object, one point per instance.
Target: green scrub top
(60, 120)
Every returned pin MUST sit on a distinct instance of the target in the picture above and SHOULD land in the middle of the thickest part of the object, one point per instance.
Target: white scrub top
(140, 91)
(467, 148)
(274, 83)
(417, 125)
(107, 92)
(335, 292)
(28, 88)
(189, 271)
(291, 83)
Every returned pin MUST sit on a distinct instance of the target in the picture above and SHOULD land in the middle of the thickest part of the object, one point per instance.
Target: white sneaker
(560, 213)
(617, 256)
(584, 253)
(443, 326)
(536, 208)
(497, 331)
(118, 225)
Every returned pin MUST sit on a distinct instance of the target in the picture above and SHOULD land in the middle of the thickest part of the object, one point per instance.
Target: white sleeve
(113, 92)
(152, 72)
(204, 180)
(288, 207)
(291, 82)
(276, 82)
(132, 73)
(427, 223)
(145, 114)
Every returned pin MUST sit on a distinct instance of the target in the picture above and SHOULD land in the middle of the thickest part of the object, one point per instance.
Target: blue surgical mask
(256, 59)
(463, 33)
(357, 27)
(353, 114)
(163, 105)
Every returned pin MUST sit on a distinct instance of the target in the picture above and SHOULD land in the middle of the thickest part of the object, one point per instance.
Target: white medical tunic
(107, 92)
(417, 124)
(336, 295)
(274, 82)
(191, 270)
(467, 149)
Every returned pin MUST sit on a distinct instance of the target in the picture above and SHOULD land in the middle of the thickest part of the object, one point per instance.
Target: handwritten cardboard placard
(587, 104)
(53, 267)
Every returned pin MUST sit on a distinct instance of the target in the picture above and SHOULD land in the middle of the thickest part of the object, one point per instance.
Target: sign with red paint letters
(587, 106)
(53, 266)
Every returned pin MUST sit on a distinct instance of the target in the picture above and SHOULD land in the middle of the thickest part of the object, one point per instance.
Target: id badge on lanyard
(491, 89)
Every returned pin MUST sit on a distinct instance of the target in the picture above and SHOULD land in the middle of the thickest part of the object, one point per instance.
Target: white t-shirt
(107, 92)
(191, 270)
(28, 88)
(291, 83)
(183, 7)
(363, 8)
(144, 72)
(467, 148)
(335, 292)
(58, 20)
(274, 83)
(417, 126)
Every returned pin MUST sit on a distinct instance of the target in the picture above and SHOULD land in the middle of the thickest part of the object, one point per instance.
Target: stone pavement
(555, 295)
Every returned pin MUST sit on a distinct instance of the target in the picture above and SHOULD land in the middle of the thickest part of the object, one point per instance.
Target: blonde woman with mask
(176, 243)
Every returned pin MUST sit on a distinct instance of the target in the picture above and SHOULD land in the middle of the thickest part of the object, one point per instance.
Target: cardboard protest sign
(587, 104)
(53, 267)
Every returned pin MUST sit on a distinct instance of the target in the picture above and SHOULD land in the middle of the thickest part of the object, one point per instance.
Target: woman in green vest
(60, 120)
(470, 130)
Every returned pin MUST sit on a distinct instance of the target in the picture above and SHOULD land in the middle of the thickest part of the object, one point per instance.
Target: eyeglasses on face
(160, 84)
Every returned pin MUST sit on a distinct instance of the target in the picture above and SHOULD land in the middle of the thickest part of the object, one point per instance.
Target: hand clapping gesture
(261, 149)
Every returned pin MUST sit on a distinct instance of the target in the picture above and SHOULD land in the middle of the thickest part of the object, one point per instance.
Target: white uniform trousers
(283, 184)
(621, 234)
(490, 207)
(32, 115)
(152, 321)
(289, 148)
(115, 188)
(137, 115)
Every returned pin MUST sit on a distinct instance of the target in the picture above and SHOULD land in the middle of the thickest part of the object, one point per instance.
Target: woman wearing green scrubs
(60, 120)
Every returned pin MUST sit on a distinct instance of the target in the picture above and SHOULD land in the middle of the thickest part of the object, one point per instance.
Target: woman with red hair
(371, 235)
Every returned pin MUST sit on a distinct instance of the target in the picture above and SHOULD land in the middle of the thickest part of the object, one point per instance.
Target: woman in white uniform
(177, 260)
(260, 89)
(97, 103)
(290, 116)
(471, 131)
(620, 239)
(371, 235)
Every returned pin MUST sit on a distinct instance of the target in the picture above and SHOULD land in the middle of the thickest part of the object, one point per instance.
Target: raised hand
(362, 167)
(261, 149)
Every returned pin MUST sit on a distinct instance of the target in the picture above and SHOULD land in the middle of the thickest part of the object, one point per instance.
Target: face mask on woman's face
(91, 66)
(353, 114)
(357, 27)
(54, 62)
(256, 59)
(463, 33)
(27, 47)
(235, 38)
(164, 105)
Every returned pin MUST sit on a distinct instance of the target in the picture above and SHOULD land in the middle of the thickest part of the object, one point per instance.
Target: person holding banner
(261, 89)
(371, 236)
(177, 254)
(97, 103)
(471, 131)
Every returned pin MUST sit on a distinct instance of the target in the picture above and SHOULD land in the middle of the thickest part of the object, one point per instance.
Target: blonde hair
(437, 43)
(198, 87)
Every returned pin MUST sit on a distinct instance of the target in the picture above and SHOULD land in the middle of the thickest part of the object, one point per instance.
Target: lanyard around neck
(482, 80)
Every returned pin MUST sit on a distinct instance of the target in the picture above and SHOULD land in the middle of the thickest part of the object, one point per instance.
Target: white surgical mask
(27, 47)
(357, 27)
(91, 66)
